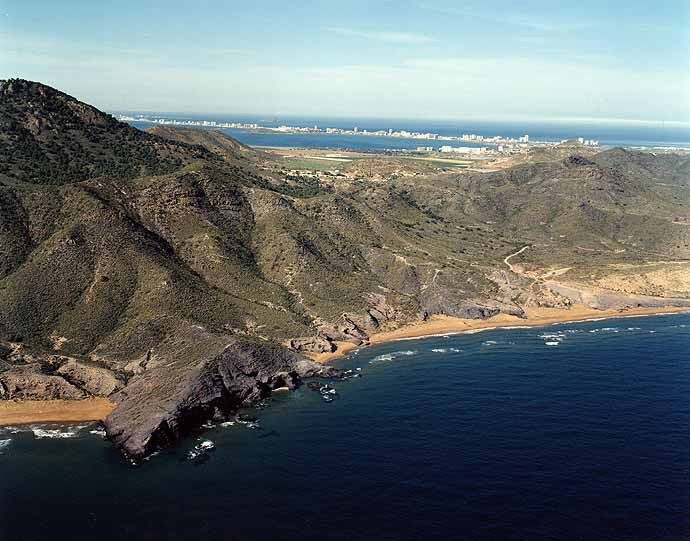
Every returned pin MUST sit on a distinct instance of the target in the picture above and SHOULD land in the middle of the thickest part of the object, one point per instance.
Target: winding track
(506, 259)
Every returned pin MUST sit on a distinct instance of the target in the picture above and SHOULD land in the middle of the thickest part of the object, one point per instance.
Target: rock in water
(162, 404)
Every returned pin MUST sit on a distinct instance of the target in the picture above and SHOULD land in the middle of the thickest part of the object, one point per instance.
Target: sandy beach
(535, 317)
(15, 412)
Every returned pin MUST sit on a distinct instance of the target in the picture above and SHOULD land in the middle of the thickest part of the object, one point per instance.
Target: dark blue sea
(577, 431)
(607, 133)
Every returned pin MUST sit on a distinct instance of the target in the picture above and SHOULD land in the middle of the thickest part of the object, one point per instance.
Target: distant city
(499, 143)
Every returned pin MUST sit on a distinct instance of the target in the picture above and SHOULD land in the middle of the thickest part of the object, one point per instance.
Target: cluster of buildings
(586, 142)
(470, 151)
(195, 123)
(500, 143)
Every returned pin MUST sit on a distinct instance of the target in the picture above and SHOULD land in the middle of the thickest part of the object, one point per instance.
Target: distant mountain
(213, 140)
(183, 274)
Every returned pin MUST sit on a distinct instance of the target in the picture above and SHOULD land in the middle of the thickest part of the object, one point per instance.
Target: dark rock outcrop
(162, 404)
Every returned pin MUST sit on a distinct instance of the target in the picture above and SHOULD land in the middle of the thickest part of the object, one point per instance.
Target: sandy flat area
(15, 412)
(535, 317)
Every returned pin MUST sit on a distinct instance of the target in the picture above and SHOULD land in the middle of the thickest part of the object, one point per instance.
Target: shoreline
(21, 412)
(536, 317)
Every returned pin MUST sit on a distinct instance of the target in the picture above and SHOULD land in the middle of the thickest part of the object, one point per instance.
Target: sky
(500, 60)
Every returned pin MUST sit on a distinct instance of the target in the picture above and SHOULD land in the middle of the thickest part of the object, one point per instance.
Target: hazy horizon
(396, 60)
(469, 118)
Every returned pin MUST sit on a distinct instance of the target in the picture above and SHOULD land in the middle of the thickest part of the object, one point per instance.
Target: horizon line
(431, 118)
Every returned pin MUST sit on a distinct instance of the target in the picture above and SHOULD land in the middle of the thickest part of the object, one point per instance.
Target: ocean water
(608, 133)
(572, 431)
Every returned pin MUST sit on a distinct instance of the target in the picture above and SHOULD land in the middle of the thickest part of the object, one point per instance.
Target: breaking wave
(392, 356)
(201, 450)
(61, 432)
(446, 350)
(605, 330)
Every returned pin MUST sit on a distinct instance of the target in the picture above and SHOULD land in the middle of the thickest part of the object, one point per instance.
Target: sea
(608, 134)
(574, 431)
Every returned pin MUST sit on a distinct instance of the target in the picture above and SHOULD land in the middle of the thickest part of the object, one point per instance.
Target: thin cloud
(509, 19)
(388, 37)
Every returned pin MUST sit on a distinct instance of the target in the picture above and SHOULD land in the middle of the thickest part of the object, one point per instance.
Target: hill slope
(168, 270)
(47, 137)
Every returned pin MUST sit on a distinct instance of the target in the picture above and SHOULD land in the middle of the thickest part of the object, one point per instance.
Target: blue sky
(407, 59)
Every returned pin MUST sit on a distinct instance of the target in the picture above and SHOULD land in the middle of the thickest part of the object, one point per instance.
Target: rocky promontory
(164, 403)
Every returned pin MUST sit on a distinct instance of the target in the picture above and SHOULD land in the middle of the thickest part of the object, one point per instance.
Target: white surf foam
(61, 432)
(552, 336)
(605, 330)
(475, 331)
(4, 444)
(200, 449)
(392, 356)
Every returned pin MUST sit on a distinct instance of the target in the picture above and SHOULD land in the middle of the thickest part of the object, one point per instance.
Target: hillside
(47, 137)
(174, 273)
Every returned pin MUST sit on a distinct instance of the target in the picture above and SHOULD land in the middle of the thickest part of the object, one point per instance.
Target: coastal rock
(332, 333)
(476, 312)
(94, 380)
(354, 326)
(466, 310)
(312, 345)
(162, 404)
(29, 383)
(345, 332)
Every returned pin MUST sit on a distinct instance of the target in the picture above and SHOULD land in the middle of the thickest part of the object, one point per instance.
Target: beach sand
(535, 317)
(15, 412)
